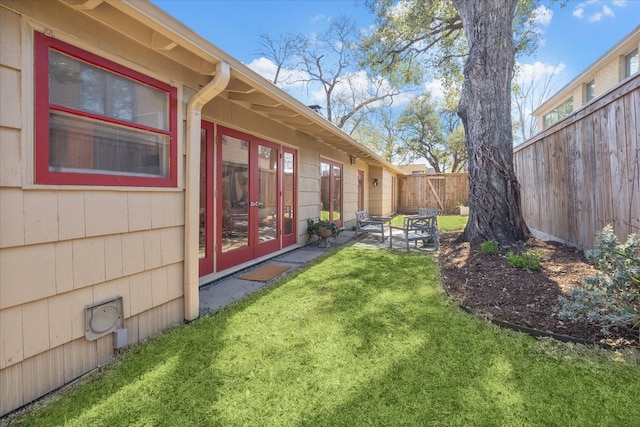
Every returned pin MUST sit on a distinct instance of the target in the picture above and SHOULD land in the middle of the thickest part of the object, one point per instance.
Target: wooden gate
(442, 191)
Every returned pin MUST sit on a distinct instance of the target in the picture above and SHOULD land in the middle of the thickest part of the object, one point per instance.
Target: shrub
(490, 247)
(530, 260)
(612, 296)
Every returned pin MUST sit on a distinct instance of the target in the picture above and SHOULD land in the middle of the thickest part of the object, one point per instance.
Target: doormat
(265, 273)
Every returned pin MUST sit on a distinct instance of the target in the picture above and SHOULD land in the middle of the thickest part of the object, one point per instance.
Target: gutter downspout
(192, 187)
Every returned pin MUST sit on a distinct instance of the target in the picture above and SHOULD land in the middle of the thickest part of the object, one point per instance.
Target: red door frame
(206, 263)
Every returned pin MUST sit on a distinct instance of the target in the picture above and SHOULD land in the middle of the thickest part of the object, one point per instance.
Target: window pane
(152, 107)
(121, 105)
(590, 90)
(235, 193)
(337, 185)
(82, 145)
(325, 190)
(203, 253)
(550, 118)
(631, 63)
(92, 91)
(288, 193)
(267, 193)
(81, 86)
(565, 108)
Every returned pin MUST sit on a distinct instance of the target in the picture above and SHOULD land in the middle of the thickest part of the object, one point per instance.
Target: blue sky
(572, 37)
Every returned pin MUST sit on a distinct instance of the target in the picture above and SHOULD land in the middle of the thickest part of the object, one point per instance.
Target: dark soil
(489, 286)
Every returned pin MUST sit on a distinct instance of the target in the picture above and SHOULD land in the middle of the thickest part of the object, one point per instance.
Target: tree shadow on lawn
(358, 338)
(453, 369)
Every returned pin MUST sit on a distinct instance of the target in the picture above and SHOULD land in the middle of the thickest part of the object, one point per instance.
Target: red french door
(248, 202)
(252, 191)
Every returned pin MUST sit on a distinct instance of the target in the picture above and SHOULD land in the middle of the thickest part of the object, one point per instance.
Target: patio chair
(414, 228)
(429, 212)
(371, 224)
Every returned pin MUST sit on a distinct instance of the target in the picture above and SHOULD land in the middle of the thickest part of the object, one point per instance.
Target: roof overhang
(144, 23)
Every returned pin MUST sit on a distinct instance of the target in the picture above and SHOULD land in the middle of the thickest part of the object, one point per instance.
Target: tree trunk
(485, 110)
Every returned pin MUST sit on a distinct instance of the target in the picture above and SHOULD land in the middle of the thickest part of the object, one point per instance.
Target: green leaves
(611, 297)
(530, 260)
(490, 247)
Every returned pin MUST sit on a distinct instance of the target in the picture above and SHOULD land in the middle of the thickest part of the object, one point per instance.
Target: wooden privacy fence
(443, 191)
(584, 172)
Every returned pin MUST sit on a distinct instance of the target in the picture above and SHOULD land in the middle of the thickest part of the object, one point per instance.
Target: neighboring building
(137, 162)
(617, 64)
(417, 169)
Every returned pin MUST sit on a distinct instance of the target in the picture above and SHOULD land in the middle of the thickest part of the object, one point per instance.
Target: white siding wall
(62, 249)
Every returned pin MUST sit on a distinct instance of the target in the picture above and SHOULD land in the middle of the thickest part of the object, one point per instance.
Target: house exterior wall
(608, 76)
(63, 248)
(381, 201)
(388, 204)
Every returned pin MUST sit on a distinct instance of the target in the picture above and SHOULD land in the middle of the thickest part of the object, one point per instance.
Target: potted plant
(323, 229)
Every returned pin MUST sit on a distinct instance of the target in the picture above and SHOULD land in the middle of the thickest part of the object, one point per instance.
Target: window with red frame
(99, 123)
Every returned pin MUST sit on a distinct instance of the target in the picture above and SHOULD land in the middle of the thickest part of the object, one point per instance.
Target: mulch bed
(490, 287)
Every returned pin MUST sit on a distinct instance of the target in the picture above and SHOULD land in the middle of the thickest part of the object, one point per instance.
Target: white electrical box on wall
(120, 338)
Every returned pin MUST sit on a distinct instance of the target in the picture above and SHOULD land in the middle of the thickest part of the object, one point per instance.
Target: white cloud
(537, 71)
(578, 13)
(595, 10)
(403, 99)
(264, 67)
(289, 77)
(436, 89)
(542, 16)
(596, 17)
(399, 10)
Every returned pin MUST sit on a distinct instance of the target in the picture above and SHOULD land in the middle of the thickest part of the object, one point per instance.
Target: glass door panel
(325, 191)
(337, 195)
(206, 251)
(266, 204)
(235, 194)
(331, 191)
(360, 190)
(203, 196)
(288, 198)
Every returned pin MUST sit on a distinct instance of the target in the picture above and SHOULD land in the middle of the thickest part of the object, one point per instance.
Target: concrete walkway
(225, 291)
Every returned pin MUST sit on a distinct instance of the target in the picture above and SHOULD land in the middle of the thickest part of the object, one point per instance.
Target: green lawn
(362, 337)
(445, 222)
